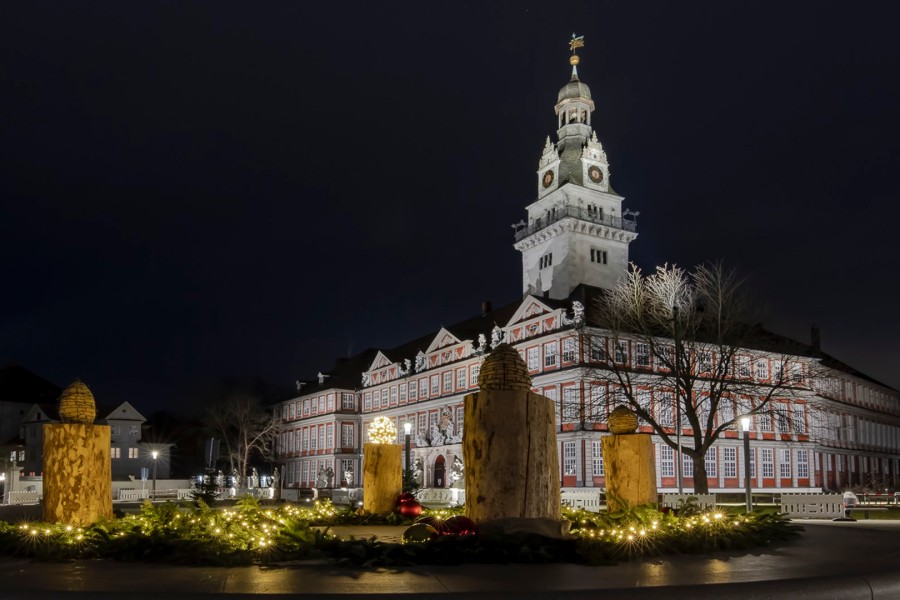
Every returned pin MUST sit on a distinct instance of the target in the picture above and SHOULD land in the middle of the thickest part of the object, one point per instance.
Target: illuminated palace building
(833, 428)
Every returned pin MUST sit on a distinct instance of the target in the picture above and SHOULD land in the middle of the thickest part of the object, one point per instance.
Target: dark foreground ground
(838, 560)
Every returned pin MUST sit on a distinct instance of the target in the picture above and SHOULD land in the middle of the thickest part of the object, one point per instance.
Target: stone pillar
(382, 477)
(77, 473)
(509, 445)
(630, 470)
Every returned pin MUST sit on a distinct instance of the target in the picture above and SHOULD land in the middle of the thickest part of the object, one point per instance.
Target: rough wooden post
(629, 462)
(77, 462)
(509, 444)
(382, 477)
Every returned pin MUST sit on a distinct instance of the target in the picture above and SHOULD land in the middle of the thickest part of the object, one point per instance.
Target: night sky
(191, 191)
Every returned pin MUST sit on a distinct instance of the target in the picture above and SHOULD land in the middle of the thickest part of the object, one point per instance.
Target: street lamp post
(679, 465)
(407, 429)
(155, 455)
(745, 426)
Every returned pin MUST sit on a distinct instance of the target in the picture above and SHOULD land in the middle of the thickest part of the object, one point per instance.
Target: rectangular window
(710, 461)
(782, 418)
(570, 404)
(597, 459)
(796, 374)
(393, 395)
(306, 439)
(704, 362)
(402, 393)
(752, 463)
(729, 461)
(113, 430)
(551, 393)
(666, 409)
(459, 420)
(305, 471)
(115, 452)
(413, 390)
(322, 437)
(764, 421)
(423, 423)
(568, 350)
(314, 440)
(642, 355)
(726, 410)
(803, 464)
(448, 381)
(598, 256)
(569, 458)
(348, 401)
(533, 358)
(435, 385)
(598, 349)
(329, 436)
(784, 463)
(367, 401)
(768, 463)
(475, 370)
(461, 381)
(743, 366)
(762, 368)
(687, 466)
(306, 408)
(546, 260)
(666, 461)
(330, 406)
(133, 453)
(621, 351)
(550, 353)
(423, 388)
(799, 418)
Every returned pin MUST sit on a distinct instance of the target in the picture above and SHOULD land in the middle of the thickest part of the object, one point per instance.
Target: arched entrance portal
(439, 476)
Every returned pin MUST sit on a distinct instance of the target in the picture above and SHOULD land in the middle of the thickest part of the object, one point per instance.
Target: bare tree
(680, 347)
(247, 430)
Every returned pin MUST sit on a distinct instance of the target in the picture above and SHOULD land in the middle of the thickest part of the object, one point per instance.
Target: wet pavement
(831, 560)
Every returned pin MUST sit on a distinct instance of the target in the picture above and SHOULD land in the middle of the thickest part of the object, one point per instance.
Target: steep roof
(18, 384)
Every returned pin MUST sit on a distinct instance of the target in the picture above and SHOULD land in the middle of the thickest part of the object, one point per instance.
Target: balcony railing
(577, 213)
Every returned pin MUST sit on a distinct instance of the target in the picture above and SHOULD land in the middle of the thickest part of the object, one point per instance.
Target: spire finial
(575, 43)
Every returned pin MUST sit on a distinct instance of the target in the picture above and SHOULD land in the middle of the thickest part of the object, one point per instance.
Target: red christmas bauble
(461, 525)
(410, 509)
(439, 524)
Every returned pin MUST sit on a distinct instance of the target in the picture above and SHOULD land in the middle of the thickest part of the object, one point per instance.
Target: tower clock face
(595, 174)
(548, 178)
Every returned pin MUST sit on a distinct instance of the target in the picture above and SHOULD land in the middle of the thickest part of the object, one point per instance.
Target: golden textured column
(382, 477)
(630, 471)
(77, 463)
(77, 473)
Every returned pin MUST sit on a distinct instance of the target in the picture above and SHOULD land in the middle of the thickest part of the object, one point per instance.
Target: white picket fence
(812, 506)
(704, 501)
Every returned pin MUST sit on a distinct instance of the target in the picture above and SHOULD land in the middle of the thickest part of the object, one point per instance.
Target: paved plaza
(831, 560)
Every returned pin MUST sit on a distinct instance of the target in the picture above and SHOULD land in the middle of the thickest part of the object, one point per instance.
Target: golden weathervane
(575, 43)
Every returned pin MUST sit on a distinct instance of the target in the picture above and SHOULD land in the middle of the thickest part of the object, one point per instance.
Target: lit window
(784, 463)
(803, 464)
(642, 355)
(569, 458)
(550, 353)
(533, 357)
(133, 453)
(115, 452)
(729, 462)
(597, 454)
(666, 461)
